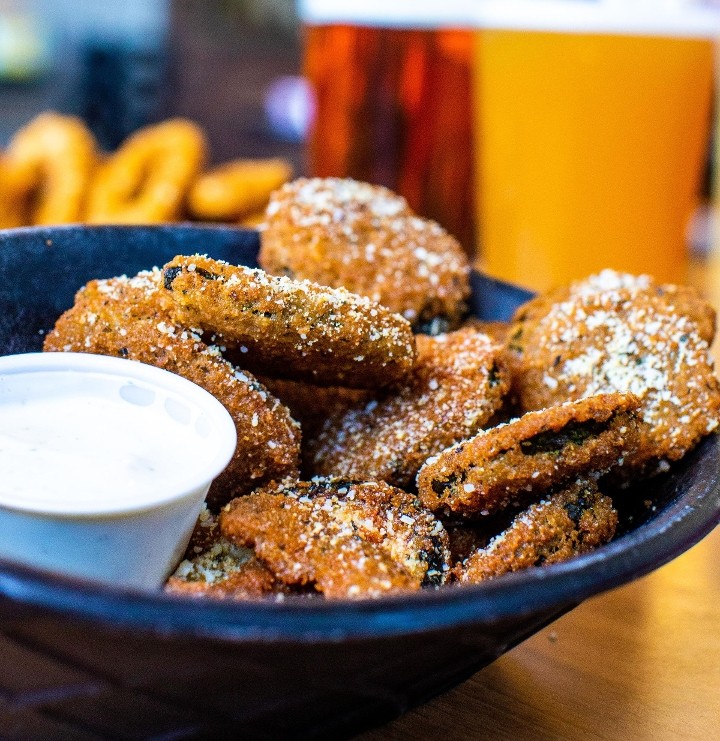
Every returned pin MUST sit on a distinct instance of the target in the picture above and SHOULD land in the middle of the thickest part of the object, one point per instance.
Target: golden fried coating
(224, 571)
(567, 523)
(237, 189)
(215, 567)
(497, 331)
(465, 538)
(204, 535)
(614, 332)
(12, 208)
(526, 457)
(127, 317)
(50, 163)
(146, 180)
(311, 405)
(345, 233)
(458, 382)
(686, 300)
(348, 539)
(292, 328)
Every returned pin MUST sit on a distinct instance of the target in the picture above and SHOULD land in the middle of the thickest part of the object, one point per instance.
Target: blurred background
(538, 150)
(121, 65)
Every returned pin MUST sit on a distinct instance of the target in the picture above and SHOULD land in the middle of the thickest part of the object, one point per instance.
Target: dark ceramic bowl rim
(681, 524)
(515, 595)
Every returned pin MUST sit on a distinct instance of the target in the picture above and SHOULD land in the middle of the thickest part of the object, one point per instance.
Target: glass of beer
(592, 131)
(392, 86)
(554, 138)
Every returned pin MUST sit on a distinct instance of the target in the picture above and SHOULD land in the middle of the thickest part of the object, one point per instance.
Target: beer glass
(392, 85)
(592, 131)
(553, 137)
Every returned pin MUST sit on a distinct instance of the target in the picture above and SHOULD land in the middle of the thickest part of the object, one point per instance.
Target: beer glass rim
(681, 18)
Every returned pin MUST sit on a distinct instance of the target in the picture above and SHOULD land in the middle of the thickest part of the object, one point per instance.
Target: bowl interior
(44, 267)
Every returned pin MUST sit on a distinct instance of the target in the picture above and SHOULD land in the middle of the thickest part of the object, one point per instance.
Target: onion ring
(50, 163)
(237, 189)
(147, 179)
(11, 201)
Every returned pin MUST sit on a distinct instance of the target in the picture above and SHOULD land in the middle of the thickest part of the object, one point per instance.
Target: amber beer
(393, 105)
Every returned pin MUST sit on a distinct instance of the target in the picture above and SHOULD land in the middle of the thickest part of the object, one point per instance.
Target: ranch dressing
(80, 444)
(104, 465)
(85, 453)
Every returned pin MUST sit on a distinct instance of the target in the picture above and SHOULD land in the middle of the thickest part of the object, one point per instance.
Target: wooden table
(641, 662)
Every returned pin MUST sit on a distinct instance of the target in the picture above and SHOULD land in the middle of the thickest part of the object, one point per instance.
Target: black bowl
(76, 657)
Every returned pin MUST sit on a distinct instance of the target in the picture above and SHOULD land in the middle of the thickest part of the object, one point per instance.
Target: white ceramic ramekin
(119, 422)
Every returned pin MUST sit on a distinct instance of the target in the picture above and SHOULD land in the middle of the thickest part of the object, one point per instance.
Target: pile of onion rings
(53, 172)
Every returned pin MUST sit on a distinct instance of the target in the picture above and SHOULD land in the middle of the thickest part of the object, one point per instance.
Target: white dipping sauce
(94, 442)
(104, 465)
(87, 452)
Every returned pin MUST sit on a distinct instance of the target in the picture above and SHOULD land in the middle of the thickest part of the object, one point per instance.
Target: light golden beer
(591, 149)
